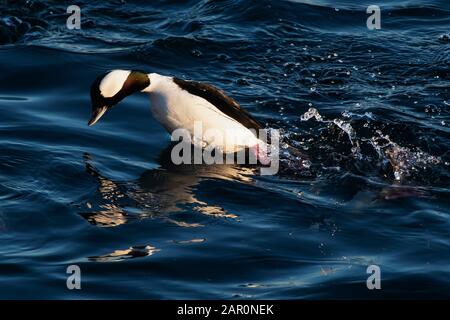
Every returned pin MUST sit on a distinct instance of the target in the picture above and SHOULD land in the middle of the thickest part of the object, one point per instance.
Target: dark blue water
(108, 199)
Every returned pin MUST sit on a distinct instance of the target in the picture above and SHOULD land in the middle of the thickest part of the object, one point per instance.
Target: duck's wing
(220, 100)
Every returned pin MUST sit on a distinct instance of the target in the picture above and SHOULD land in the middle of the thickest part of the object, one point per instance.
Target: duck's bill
(97, 113)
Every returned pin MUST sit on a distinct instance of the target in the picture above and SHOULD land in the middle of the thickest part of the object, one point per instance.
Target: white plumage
(176, 108)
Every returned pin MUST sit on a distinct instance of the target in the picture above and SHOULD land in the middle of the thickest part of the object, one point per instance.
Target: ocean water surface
(369, 107)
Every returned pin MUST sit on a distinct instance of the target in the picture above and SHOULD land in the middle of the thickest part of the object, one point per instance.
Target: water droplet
(311, 113)
(306, 164)
(196, 53)
(346, 114)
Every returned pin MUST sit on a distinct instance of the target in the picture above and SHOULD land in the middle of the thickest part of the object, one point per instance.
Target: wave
(115, 25)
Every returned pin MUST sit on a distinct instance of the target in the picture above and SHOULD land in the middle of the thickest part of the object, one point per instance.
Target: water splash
(404, 161)
(341, 124)
(311, 113)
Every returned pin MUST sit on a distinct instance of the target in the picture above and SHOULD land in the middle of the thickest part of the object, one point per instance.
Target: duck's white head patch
(113, 82)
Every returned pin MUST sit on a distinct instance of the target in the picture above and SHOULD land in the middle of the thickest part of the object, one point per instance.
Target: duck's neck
(156, 80)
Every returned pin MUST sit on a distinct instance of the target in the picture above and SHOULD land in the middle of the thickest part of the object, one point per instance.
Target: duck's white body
(176, 108)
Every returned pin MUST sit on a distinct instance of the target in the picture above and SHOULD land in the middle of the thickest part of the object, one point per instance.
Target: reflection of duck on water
(157, 191)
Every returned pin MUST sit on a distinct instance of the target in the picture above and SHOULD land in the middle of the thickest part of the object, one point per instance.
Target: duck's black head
(112, 87)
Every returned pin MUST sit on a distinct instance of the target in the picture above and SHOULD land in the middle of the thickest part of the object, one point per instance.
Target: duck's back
(177, 108)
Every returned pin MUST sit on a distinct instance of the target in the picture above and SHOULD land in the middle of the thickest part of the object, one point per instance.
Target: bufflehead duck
(179, 104)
